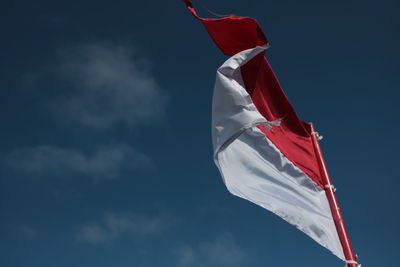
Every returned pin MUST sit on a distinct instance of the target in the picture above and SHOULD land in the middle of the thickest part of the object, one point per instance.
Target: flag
(263, 151)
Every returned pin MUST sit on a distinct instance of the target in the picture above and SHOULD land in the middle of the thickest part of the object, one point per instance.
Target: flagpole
(351, 258)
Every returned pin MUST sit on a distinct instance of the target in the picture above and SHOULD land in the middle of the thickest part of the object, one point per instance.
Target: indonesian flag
(264, 152)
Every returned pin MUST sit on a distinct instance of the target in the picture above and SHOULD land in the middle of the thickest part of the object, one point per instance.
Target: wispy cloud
(101, 163)
(108, 85)
(114, 226)
(100, 85)
(222, 251)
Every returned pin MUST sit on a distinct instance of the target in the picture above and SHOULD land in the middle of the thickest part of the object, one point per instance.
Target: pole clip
(319, 137)
(352, 262)
(331, 186)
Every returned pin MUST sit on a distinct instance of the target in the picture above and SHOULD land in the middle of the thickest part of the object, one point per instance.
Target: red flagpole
(334, 204)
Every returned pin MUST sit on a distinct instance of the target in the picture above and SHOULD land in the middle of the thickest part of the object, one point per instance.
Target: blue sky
(105, 141)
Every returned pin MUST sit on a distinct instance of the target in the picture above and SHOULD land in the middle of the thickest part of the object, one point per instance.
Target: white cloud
(101, 86)
(104, 162)
(108, 85)
(222, 251)
(114, 226)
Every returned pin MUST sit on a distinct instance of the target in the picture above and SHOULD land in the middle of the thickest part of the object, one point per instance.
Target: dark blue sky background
(105, 144)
